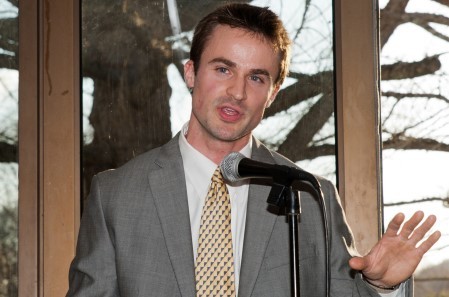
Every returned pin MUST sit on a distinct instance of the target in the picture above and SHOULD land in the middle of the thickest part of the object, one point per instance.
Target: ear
(273, 96)
(189, 74)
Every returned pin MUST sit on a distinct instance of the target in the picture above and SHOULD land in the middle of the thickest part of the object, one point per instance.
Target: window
(49, 115)
(415, 121)
(9, 113)
(134, 96)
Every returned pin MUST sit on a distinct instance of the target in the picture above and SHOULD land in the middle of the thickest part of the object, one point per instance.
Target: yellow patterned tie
(214, 268)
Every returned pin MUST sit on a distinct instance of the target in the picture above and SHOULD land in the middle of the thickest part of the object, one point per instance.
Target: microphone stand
(284, 196)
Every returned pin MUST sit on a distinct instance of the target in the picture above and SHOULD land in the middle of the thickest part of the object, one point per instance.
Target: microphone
(236, 166)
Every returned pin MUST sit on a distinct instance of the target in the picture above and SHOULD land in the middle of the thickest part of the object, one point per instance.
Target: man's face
(232, 86)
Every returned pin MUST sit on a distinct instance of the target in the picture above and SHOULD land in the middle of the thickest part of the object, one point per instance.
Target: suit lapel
(170, 196)
(259, 225)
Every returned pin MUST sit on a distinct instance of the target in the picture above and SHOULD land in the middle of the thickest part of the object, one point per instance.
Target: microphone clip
(284, 196)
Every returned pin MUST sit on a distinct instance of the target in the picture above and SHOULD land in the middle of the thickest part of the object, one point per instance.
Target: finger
(358, 263)
(422, 230)
(411, 224)
(394, 225)
(429, 242)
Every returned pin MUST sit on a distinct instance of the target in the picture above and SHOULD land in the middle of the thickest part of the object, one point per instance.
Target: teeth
(229, 111)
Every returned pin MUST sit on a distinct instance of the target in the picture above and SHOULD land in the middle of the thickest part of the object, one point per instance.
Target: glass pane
(415, 123)
(134, 96)
(8, 147)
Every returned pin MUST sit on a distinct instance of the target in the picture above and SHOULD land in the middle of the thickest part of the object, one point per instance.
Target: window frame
(358, 118)
(49, 144)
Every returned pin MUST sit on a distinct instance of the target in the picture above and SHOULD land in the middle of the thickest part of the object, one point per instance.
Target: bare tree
(8, 251)
(126, 53)
(394, 15)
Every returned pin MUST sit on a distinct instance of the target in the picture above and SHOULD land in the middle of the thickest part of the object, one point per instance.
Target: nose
(237, 88)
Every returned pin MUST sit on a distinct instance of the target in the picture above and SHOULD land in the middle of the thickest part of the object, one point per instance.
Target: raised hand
(395, 257)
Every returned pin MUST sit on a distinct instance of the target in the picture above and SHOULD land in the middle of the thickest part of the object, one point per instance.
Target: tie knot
(217, 177)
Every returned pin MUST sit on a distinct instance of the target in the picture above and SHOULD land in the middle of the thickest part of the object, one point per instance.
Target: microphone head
(230, 167)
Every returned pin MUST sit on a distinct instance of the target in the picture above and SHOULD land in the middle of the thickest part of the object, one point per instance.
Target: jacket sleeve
(93, 272)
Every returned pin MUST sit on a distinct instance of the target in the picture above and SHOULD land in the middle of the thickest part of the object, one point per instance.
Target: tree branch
(14, 2)
(442, 2)
(308, 86)
(390, 20)
(444, 200)
(312, 152)
(9, 35)
(424, 19)
(308, 126)
(400, 96)
(306, 10)
(9, 62)
(8, 152)
(399, 141)
(403, 70)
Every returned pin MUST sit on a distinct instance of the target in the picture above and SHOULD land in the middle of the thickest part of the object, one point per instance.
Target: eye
(256, 78)
(222, 70)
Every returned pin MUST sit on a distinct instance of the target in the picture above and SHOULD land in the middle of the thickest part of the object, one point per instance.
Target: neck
(214, 149)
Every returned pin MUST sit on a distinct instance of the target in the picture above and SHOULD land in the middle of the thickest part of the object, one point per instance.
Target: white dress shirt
(400, 292)
(198, 170)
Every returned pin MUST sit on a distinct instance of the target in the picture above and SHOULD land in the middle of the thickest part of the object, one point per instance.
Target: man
(141, 231)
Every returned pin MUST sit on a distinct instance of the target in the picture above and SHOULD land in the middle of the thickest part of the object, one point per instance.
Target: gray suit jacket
(135, 237)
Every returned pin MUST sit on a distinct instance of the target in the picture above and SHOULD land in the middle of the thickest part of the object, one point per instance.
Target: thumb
(358, 263)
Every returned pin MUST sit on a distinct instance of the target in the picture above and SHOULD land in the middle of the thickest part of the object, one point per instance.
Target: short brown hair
(258, 20)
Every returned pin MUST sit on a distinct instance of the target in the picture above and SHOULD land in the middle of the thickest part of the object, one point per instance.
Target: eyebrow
(232, 64)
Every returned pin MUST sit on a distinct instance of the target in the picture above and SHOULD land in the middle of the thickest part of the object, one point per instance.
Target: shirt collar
(198, 164)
